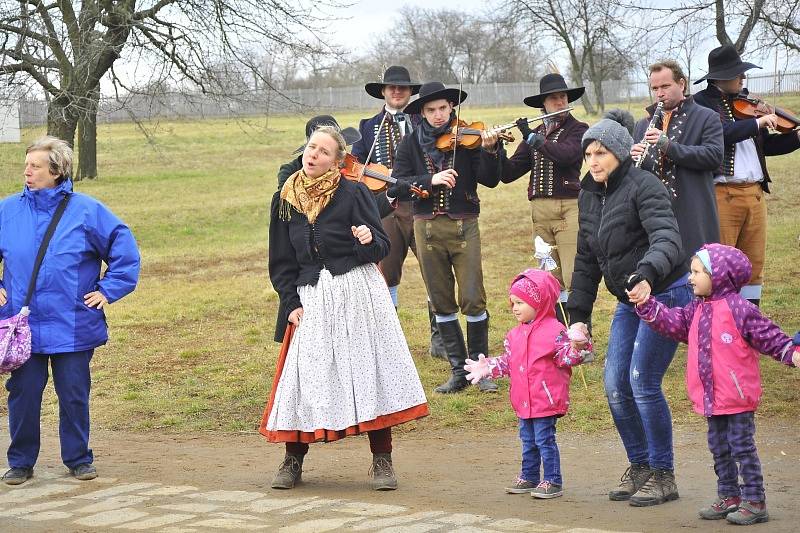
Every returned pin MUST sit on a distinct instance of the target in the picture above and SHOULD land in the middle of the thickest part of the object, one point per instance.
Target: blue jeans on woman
(636, 362)
(539, 449)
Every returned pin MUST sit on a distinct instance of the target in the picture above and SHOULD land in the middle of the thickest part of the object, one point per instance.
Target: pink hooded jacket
(539, 386)
(725, 334)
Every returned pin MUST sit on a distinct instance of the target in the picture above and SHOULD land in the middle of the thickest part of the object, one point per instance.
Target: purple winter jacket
(725, 333)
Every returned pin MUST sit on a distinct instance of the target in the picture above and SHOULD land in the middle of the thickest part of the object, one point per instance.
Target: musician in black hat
(350, 135)
(552, 153)
(390, 125)
(742, 179)
(446, 224)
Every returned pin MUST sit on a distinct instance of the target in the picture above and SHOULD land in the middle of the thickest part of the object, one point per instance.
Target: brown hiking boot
(289, 473)
(632, 480)
(382, 472)
(659, 488)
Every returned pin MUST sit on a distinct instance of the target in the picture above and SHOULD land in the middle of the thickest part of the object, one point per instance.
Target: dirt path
(447, 482)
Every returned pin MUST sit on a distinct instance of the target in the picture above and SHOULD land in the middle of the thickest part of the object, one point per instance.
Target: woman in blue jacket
(66, 308)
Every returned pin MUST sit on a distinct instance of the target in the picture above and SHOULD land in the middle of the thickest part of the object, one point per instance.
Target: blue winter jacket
(88, 234)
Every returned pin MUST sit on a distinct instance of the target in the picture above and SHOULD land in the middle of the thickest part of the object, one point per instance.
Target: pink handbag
(15, 341)
(15, 333)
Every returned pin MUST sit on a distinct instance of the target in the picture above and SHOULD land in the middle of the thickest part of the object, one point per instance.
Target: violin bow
(374, 142)
(458, 118)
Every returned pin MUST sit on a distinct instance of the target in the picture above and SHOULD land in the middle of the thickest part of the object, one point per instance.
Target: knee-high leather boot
(478, 343)
(437, 348)
(453, 340)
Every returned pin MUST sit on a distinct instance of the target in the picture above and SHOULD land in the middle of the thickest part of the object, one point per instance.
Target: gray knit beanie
(614, 132)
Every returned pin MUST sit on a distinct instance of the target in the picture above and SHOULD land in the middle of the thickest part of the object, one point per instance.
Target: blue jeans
(635, 365)
(539, 448)
(25, 386)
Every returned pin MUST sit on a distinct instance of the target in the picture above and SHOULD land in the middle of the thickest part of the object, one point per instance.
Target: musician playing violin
(552, 153)
(446, 224)
(382, 134)
(742, 179)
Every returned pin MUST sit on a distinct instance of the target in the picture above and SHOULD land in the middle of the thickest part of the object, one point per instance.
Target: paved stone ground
(449, 481)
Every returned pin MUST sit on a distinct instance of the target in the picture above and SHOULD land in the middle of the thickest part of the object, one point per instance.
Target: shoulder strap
(43, 247)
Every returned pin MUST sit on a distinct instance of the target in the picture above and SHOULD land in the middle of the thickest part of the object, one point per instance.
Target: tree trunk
(87, 139)
(62, 119)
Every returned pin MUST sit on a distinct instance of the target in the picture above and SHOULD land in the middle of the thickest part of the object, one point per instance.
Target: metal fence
(195, 105)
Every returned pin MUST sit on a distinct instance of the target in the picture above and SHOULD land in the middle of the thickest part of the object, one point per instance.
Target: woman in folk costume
(348, 369)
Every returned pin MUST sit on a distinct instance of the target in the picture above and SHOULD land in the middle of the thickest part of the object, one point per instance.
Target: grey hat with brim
(434, 90)
(613, 133)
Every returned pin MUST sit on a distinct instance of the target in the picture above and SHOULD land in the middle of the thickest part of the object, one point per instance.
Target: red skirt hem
(330, 435)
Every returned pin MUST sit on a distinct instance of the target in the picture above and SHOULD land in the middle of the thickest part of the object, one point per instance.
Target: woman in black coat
(628, 235)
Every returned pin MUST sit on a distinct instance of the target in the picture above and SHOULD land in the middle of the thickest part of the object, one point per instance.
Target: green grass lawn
(192, 348)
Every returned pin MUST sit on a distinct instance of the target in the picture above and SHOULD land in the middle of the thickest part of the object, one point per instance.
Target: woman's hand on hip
(362, 233)
(295, 316)
(3, 296)
(639, 293)
(95, 299)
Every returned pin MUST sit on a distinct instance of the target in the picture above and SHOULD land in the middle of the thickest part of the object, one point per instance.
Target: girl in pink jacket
(538, 356)
(725, 333)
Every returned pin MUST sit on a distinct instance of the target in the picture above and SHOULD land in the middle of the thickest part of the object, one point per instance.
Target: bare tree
(594, 34)
(67, 46)
(781, 20)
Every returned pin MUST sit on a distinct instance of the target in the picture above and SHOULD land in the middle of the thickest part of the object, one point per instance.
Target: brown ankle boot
(289, 473)
(382, 472)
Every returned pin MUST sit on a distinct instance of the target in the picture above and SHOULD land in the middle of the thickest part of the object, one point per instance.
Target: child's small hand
(477, 369)
(796, 358)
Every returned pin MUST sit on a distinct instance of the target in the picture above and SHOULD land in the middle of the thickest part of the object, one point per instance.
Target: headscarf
(308, 196)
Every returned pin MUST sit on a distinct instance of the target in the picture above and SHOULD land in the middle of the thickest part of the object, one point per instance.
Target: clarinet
(656, 115)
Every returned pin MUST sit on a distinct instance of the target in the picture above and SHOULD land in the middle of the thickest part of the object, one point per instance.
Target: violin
(469, 135)
(375, 176)
(750, 107)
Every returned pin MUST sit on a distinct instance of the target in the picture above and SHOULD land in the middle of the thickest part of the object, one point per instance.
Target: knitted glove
(477, 369)
(662, 142)
(524, 129)
(535, 140)
(576, 334)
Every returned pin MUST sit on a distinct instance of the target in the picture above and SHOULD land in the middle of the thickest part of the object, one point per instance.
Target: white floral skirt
(348, 369)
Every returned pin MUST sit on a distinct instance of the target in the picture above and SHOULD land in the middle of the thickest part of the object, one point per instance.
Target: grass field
(192, 348)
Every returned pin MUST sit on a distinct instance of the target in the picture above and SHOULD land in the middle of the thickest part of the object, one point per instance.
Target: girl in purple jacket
(725, 333)
(538, 356)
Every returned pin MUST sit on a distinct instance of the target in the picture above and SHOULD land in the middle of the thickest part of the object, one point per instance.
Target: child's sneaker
(546, 490)
(749, 513)
(521, 486)
(720, 508)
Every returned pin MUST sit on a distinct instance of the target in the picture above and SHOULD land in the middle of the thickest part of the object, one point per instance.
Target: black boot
(437, 346)
(453, 340)
(478, 343)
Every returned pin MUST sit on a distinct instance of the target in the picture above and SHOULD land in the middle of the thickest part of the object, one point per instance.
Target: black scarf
(427, 135)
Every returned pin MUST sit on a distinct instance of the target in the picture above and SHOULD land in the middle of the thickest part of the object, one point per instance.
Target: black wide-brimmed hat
(351, 135)
(725, 63)
(394, 75)
(553, 83)
(434, 90)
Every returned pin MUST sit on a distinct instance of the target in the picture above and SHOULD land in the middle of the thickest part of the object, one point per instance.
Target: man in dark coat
(552, 154)
(742, 179)
(683, 149)
(446, 225)
(380, 136)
